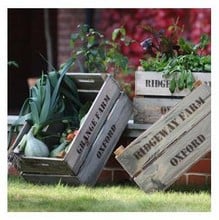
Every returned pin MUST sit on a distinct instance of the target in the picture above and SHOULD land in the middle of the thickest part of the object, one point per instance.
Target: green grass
(27, 197)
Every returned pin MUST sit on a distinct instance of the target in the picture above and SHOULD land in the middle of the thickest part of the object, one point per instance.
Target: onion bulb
(34, 147)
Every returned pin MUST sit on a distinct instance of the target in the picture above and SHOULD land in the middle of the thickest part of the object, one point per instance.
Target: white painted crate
(153, 98)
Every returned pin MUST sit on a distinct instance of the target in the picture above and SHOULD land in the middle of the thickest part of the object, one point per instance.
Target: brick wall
(67, 21)
(199, 174)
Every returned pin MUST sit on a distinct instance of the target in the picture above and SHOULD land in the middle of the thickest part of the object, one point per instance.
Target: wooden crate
(153, 98)
(172, 144)
(108, 102)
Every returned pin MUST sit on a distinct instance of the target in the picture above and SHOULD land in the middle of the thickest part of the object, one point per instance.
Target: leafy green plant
(177, 58)
(53, 100)
(94, 53)
(13, 63)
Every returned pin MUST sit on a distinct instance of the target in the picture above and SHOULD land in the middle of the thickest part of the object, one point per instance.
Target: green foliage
(176, 57)
(13, 63)
(52, 100)
(94, 53)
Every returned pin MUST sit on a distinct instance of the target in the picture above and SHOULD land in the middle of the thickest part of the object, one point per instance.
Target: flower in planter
(170, 53)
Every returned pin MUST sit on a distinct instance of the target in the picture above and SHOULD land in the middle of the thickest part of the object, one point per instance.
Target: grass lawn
(27, 197)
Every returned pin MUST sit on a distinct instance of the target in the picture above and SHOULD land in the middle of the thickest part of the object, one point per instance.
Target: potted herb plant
(174, 57)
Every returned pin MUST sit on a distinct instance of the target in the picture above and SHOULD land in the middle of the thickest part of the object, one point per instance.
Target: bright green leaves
(181, 80)
(175, 56)
(190, 80)
(172, 85)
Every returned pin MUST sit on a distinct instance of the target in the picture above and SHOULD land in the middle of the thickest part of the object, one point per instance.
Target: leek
(53, 99)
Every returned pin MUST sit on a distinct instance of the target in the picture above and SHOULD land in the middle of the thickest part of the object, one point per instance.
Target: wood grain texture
(43, 165)
(98, 113)
(25, 128)
(106, 141)
(170, 164)
(149, 109)
(88, 81)
(96, 117)
(165, 131)
(51, 179)
(153, 84)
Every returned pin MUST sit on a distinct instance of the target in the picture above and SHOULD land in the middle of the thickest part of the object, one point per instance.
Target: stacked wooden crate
(153, 98)
(96, 139)
(173, 142)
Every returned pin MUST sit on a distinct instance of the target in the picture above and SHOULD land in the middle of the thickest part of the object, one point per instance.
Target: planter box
(97, 137)
(153, 98)
(172, 144)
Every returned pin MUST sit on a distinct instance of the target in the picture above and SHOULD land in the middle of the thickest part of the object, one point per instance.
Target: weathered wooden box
(97, 137)
(153, 98)
(172, 144)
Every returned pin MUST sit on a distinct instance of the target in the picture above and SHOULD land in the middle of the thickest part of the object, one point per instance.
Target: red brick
(181, 180)
(112, 162)
(120, 176)
(196, 179)
(202, 166)
(12, 171)
(67, 21)
(208, 181)
(105, 177)
(208, 155)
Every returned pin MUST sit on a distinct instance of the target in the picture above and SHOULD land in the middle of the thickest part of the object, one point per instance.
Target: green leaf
(181, 81)
(55, 93)
(117, 32)
(204, 40)
(45, 111)
(172, 85)
(186, 46)
(53, 78)
(34, 113)
(190, 80)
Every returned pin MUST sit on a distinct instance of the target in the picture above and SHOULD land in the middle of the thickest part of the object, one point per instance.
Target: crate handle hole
(86, 80)
(44, 164)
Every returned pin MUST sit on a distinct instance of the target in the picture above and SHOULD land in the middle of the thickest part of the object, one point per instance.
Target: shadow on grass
(174, 188)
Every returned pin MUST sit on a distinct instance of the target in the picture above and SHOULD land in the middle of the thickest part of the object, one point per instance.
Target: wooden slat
(43, 165)
(36, 164)
(25, 128)
(50, 179)
(88, 132)
(134, 130)
(86, 82)
(97, 115)
(106, 141)
(149, 109)
(169, 165)
(152, 83)
(166, 130)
